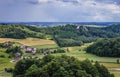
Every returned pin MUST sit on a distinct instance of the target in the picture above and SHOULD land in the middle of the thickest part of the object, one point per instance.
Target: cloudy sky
(59, 10)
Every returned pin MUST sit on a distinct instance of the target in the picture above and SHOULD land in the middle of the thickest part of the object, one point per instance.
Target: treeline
(63, 66)
(64, 35)
(106, 47)
(70, 35)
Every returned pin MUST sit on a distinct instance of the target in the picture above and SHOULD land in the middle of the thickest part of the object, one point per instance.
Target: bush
(2, 56)
(10, 70)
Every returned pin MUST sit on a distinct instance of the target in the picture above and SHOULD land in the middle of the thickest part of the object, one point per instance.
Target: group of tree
(64, 35)
(17, 31)
(62, 66)
(106, 47)
(50, 50)
(11, 48)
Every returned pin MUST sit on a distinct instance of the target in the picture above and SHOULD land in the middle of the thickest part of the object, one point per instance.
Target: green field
(5, 63)
(4, 74)
(45, 46)
(77, 52)
(81, 55)
(109, 62)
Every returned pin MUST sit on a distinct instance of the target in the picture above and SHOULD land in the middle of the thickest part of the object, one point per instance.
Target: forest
(106, 47)
(64, 35)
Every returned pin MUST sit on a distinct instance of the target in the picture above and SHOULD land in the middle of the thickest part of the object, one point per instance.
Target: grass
(5, 63)
(109, 62)
(117, 74)
(5, 74)
(46, 46)
(77, 52)
(82, 55)
(29, 41)
(74, 48)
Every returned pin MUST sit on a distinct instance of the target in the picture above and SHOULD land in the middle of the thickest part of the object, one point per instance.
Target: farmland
(28, 41)
(76, 51)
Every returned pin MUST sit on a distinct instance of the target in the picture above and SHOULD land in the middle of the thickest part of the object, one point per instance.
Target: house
(8, 44)
(45, 52)
(52, 51)
(28, 49)
(17, 54)
(17, 57)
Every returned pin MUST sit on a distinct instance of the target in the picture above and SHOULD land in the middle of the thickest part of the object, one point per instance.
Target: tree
(118, 61)
(62, 66)
(105, 47)
(103, 71)
(87, 65)
(22, 66)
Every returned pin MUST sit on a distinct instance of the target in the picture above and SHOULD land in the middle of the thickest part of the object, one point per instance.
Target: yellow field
(28, 41)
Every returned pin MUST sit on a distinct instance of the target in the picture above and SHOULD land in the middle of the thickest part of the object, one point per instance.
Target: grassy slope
(5, 63)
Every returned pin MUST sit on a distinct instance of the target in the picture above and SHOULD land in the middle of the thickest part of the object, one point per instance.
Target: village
(32, 52)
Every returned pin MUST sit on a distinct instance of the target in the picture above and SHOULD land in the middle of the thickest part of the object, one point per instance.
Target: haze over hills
(62, 23)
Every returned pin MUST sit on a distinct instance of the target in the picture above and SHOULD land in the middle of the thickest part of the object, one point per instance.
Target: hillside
(18, 31)
(106, 47)
(75, 35)
(64, 35)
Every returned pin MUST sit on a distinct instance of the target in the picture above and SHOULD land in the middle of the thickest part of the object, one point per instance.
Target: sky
(59, 10)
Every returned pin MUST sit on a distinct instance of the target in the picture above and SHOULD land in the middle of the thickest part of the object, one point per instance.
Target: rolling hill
(63, 35)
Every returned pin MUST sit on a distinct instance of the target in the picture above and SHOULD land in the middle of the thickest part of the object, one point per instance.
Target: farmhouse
(17, 57)
(28, 49)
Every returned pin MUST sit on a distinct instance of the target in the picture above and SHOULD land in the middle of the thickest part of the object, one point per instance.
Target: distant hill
(64, 35)
(62, 23)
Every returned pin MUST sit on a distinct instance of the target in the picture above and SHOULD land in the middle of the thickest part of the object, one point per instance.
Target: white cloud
(59, 10)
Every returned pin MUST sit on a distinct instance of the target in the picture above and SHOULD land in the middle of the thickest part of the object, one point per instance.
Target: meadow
(29, 41)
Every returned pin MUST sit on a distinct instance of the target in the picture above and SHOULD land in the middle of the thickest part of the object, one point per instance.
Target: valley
(57, 41)
(75, 51)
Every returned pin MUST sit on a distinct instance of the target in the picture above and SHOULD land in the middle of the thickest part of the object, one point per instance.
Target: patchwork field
(110, 63)
(29, 41)
(77, 51)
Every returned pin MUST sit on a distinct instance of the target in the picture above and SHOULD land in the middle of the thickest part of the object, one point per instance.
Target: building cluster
(28, 49)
